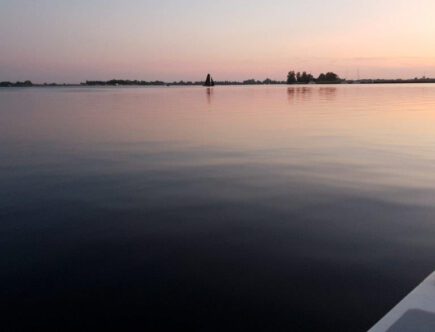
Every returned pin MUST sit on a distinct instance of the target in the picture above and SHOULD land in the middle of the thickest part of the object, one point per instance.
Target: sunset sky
(71, 41)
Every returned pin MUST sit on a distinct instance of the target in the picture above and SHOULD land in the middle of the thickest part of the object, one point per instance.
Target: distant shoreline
(28, 84)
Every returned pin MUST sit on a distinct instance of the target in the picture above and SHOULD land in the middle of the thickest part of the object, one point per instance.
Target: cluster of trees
(328, 78)
(305, 78)
(298, 77)
(19, 84)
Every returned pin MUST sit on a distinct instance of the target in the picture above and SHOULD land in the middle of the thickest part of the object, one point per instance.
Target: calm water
(230, 209)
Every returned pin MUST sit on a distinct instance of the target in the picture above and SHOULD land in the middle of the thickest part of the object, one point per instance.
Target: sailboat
(209, 81)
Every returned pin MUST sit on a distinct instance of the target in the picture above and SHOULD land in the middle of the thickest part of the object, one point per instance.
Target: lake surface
(226, 209)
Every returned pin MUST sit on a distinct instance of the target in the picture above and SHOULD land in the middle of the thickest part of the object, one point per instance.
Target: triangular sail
(209, 81)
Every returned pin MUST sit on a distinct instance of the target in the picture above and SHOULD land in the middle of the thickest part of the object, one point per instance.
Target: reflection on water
(209, 92)
(328, 93)
(286, 208)
(298, 94)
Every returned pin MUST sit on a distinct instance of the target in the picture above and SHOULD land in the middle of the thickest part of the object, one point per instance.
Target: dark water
(231, 209)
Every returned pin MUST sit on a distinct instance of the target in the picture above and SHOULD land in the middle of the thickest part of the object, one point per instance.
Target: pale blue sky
(56, 40)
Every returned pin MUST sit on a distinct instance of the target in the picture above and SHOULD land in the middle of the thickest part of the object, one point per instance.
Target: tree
(251, 81)
(329, 77)
(305, 78)
(291, 77)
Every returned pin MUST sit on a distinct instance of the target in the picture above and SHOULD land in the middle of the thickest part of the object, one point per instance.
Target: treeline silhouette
(292, 78)
(16, 84)
(394, 81)
(123, 82)
(307, 78)
(24, 84)
(116, 82)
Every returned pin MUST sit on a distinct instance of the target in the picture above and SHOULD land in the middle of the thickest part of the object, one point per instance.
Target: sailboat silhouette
(209, 81)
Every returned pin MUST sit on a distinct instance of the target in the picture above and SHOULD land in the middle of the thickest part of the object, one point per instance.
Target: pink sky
(68, 41)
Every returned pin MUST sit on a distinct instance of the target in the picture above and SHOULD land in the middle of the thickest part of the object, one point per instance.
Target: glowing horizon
(234, 40)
